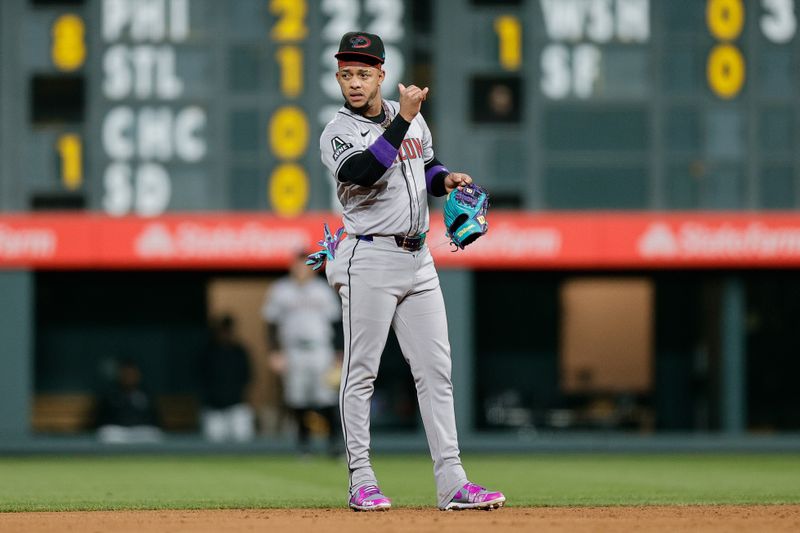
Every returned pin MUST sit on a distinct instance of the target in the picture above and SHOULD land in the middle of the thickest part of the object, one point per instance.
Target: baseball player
(381, 156)
(300, 310)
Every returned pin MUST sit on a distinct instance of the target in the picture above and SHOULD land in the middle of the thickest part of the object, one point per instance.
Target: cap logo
(359, 41)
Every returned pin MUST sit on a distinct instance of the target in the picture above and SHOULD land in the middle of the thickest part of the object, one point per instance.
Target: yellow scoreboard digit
(68, 49)
(509, 36)
(726, 70)
(290, 60)
(70, 151)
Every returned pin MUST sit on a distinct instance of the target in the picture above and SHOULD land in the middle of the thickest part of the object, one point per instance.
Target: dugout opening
(87, 320)
(635, 351)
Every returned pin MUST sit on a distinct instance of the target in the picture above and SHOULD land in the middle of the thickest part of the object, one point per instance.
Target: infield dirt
(723, 518)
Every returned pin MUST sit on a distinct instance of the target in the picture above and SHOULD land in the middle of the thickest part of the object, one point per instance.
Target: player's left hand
(456, 180)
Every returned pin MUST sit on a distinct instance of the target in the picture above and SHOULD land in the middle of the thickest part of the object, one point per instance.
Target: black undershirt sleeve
(396, 131)
(436, 183)
(364, 169)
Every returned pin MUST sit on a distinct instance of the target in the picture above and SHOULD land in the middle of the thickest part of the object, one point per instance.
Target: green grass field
(146, 482)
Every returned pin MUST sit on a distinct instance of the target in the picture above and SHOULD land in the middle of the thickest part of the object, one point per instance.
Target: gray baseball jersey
(304, 314)
(383, 285)
(397, 204)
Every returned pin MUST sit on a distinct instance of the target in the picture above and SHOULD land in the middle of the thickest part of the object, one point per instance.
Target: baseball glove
(465, 215)
(329, 244)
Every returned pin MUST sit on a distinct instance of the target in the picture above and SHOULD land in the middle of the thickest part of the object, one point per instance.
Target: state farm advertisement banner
(171, 241)
(607, 240)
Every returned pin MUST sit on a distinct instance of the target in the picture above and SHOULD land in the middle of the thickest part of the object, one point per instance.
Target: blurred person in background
(300, 311)
(225, 375)
(126, 413)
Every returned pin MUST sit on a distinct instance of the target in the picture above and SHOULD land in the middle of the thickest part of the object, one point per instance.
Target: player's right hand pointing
(411, 99)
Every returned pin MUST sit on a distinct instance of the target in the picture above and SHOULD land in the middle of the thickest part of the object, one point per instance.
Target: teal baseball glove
(465, 215)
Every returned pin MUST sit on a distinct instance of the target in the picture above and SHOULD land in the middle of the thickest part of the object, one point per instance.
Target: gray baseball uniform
(384, 285)
(304, 314)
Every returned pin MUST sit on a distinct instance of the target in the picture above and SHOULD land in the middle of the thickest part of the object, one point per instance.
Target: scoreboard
(143, 107)
(622, 104)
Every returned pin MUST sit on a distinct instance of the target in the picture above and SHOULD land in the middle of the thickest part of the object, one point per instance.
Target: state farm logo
(156, 240)
(25, 243)
(658, 241)
(696, 239)
(203, 241)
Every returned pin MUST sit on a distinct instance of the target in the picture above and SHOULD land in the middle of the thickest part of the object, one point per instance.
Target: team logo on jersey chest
(339, 147)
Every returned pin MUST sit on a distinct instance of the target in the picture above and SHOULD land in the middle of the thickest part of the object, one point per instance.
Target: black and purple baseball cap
(361, 47)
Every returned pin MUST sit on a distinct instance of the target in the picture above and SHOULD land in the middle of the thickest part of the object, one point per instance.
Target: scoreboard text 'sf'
(622, 104)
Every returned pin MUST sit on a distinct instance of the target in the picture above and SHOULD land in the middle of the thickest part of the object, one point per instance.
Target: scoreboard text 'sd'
(140, 107)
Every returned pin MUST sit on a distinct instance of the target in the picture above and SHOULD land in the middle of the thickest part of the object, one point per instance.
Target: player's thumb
(401, 88)
(424, 93)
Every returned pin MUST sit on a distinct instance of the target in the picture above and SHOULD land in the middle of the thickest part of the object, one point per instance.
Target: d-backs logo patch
(339, 147)
(359, 41)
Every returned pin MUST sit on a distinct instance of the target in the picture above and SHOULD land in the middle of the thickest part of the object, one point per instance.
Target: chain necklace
(387, 119)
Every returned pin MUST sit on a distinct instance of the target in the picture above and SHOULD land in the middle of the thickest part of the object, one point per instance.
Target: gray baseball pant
(382, 285)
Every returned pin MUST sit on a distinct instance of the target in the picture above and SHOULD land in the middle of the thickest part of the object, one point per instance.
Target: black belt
(412, 244)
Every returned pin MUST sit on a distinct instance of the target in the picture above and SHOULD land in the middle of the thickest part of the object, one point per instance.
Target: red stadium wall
(516, 240)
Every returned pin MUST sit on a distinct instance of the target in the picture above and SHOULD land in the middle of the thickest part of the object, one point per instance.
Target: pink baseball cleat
(472, 496)
(369, 498)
